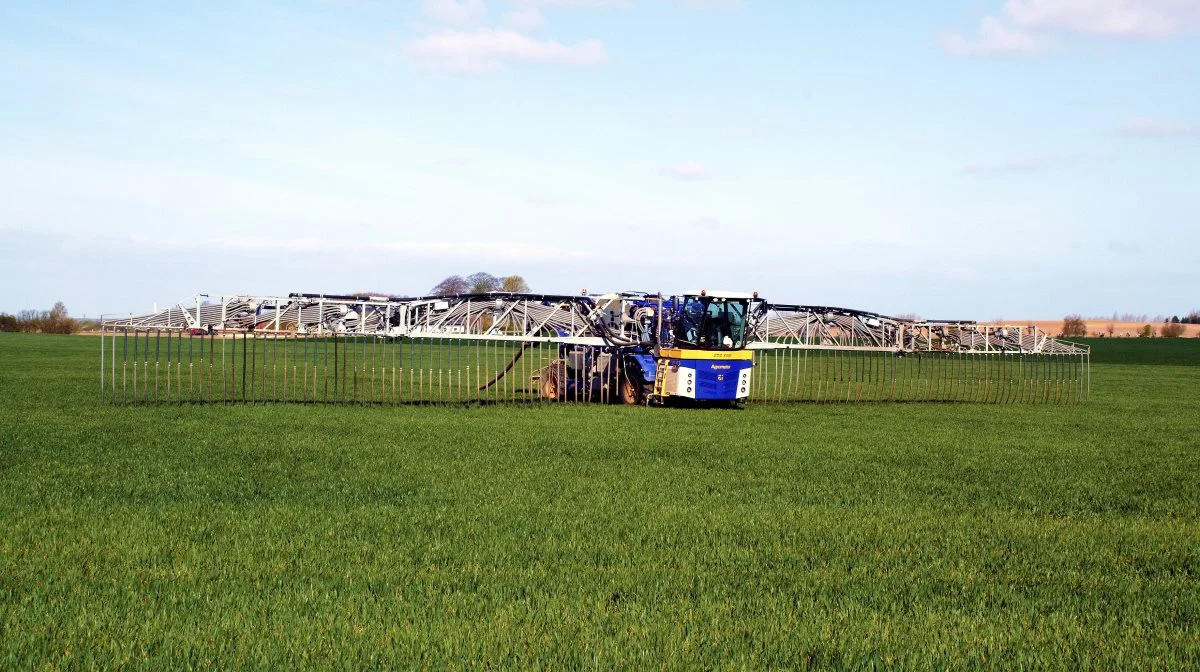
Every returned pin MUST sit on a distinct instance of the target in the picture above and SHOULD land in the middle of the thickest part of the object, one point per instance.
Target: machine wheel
(550, 384)
(631, 391)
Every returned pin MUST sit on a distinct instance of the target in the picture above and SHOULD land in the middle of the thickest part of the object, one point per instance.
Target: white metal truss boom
(583, 319)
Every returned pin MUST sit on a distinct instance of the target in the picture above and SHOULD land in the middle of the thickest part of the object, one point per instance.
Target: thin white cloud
(573, 4)
(455, 13)
(487, 50)
(485, 249)
(525, 20)
(457, 37)
(1158, 128)
(1023, 27)
(994, 38)
(1021, 165)
(688, 170)
(719, 5)
(1123, 18)
(432, 249)
(277, 244)
(1124, 248)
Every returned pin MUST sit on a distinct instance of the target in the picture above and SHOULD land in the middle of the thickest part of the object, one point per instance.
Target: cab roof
(720, 294)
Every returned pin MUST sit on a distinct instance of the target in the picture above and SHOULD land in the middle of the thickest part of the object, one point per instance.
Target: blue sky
(992, 159)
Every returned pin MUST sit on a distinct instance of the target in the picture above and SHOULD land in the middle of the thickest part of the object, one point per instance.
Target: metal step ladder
(660, 378)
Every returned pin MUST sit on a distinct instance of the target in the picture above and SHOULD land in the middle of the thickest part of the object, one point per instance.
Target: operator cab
(712, 320)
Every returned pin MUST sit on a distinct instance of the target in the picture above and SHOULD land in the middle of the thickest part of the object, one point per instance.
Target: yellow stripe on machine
(679, 353)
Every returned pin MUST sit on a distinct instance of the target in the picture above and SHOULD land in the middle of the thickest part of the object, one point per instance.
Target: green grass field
(851, 536)
(163, 368)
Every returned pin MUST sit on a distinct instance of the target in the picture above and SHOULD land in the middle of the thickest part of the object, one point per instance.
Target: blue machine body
(715, 380)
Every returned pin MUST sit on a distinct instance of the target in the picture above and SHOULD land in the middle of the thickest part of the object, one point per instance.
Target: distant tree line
(1191, 318)
(480, 283)
(53, 321)
(1074, 326)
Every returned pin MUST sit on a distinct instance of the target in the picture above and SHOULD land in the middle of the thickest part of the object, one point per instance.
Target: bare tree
(454, 284)
(514, 283)
(28, 321)
(53, 321)
(57, 321)
(1172, 330)
(481, 282)
(1074, 327)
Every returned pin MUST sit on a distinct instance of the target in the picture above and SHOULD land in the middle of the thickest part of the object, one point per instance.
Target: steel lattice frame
(567, 318)
(802, 348)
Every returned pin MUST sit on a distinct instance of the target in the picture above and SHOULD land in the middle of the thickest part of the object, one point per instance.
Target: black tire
(631, 390)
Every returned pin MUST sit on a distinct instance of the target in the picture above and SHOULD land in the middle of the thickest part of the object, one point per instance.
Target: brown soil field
(1100, 327)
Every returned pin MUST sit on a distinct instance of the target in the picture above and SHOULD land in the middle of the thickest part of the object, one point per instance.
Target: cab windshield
(712, 323)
